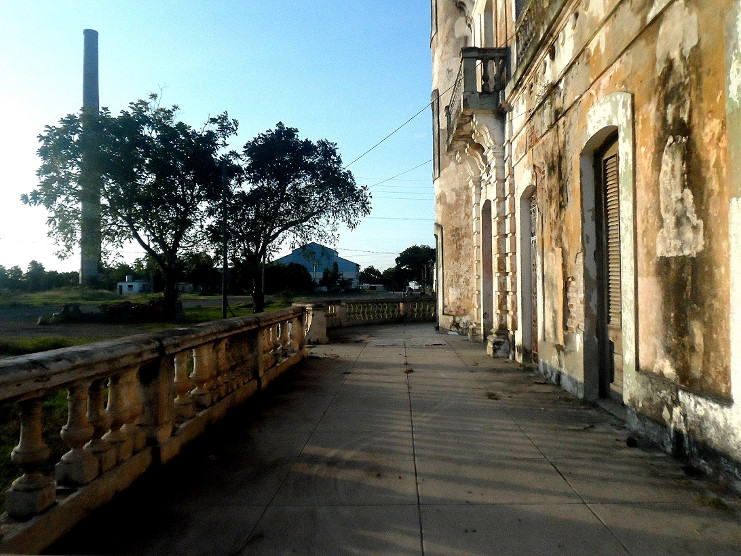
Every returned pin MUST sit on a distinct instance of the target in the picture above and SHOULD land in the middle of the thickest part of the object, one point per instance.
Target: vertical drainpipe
(89, 179)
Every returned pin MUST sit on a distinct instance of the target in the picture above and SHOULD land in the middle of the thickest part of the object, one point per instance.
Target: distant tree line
(414, 264)
(203, 272)
(35, 279)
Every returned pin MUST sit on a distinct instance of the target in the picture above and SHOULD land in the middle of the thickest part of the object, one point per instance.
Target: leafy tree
(54, 279)
(394, 279)
(35, 277)
(158, 175)
(200, 270)
(112, 275)
(414, 263)
(292, 277)
(330, 277)
(15, 275)
(371, 275)
(147, 268)
(291, 189)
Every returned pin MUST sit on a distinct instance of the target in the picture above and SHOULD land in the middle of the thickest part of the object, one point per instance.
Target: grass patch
(59, 297)
(54, 410)
(22, 346)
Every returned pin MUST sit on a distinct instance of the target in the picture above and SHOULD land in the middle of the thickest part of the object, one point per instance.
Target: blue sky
(350, 71)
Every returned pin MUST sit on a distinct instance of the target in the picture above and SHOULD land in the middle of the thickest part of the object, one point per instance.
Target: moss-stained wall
(666, 76)
(453, 194)
(663, 55)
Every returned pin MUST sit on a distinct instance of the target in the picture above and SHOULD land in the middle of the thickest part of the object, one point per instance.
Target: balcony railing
(481, 78)
(131, 403)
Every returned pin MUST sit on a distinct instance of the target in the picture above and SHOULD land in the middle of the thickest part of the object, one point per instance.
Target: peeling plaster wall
(666, 75)
(453, 192)
(685, 257)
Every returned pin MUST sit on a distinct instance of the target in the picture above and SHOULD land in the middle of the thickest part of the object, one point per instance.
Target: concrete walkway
(401, 440)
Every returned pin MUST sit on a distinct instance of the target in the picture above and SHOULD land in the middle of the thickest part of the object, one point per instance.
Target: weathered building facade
(588, 199)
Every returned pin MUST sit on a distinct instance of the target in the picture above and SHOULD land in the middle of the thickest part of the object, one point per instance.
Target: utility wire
(365, 251)
(389, 135)
(367, 178)
(401, 173)
(399, 218)
(398, 128)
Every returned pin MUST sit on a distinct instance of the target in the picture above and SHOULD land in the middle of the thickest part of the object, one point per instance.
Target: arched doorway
(608, 248)
(607, 255)
(529, 273)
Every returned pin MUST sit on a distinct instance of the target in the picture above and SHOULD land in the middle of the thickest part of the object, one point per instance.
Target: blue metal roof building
(316, 258)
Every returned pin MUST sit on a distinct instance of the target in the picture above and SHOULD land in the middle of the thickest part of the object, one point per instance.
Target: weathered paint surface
(665, 75)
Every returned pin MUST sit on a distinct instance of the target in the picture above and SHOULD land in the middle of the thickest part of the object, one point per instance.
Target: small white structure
(133, 286)
(373, 287)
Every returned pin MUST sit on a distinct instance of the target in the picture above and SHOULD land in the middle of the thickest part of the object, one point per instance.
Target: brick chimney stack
(90, 253)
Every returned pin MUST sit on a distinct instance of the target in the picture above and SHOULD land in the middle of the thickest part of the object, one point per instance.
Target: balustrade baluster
(77, 467)
(131, 426)
(240, 360)
(99, 419)
(297, 335)
(32, 492)
(201, 376)
(118, 410)
(184, 405)
(270, 353)
(285, 339)
(275, 338)
(232, 351)
(267, 348)
(221, 369)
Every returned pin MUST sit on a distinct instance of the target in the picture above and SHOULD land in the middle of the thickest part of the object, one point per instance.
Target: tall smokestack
(89, 176)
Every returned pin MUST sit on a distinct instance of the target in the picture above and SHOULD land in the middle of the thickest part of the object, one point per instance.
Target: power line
(405, 198)
(389, 135)
(366, 251)
(398, 128)
(399, 218)
(401, 173)
(367, 178)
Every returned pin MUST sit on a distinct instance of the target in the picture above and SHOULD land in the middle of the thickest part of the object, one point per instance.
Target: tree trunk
(258, 297)
(171, 306)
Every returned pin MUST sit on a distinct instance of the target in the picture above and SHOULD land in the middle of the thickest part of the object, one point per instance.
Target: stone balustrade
(131, 403)
(340, 313)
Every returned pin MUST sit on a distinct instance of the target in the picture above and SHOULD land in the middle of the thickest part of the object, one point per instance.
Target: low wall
(327, 315)
(132, 403)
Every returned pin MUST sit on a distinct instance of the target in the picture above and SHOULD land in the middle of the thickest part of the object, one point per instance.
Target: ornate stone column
(99, 419)
(77, 467)
(184, 405)
(32, 492)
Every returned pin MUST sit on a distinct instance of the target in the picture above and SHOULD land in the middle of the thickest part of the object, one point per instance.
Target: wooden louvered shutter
(612, 235)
